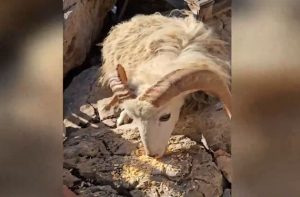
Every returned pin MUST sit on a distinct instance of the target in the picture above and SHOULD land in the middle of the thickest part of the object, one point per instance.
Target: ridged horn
(118, 84)
(185, 81)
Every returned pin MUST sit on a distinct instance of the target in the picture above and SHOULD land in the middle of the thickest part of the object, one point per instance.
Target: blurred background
(31, 98)
(266, 83)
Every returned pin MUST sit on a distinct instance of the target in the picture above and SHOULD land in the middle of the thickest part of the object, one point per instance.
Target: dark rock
(68, 178)
(227, 193)
(224, 163)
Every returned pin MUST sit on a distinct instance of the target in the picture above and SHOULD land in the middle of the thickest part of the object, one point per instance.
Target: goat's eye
(165, 117)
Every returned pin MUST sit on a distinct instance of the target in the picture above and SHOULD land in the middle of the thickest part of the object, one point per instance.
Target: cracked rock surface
(101, 160)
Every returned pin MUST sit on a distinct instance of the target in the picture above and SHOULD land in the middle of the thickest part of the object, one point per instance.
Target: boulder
(83, 20)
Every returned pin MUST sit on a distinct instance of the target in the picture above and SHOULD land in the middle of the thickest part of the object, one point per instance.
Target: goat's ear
(122, 74)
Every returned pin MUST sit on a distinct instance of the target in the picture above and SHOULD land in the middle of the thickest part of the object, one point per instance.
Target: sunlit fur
(149, 47)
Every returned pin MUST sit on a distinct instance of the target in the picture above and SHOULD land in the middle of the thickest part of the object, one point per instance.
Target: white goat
(163, 60)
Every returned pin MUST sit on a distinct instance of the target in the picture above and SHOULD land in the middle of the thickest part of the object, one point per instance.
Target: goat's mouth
(142, 151)
(157, 154)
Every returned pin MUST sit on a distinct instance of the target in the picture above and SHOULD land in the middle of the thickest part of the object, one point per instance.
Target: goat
(152, 62)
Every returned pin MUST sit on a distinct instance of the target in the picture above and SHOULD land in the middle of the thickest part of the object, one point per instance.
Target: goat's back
(138, 41)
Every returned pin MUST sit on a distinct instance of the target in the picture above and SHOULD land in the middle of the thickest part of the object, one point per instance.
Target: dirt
(101, 160)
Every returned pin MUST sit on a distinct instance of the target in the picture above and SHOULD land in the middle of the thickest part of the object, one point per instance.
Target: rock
(222, 25)
(227, 193)
(71, 122)
(137, 193)
(224, 163)
(83, 21)
(76, 95)
(125, 149)
(207, 179)
(105, 113)
(68, 178)
(98, 191)
(80, 99)
(212, 123)
(111, 123)
(146, 7)
(85, 148)
(67, 192)
(122, 164)
(128, 132)
(70, 163)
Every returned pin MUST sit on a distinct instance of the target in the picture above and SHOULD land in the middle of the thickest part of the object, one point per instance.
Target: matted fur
(151, 46)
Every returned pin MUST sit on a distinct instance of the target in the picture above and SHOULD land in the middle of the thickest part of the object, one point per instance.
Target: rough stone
(98, 191)
(83, 21)
(103, 113)
(79, 108)
(68, 178)
(128, 132)
(211, 122)
(224, 163)
(112, 122)
(121, 164)
(227, 193)
(136, 193)
(206, 178)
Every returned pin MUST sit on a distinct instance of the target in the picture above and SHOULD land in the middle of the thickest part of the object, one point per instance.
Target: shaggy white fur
(149, 47)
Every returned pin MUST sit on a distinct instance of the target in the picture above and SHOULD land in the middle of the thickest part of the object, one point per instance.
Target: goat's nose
(156, 155)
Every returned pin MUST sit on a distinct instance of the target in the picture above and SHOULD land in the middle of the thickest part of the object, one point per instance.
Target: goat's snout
(156, 154)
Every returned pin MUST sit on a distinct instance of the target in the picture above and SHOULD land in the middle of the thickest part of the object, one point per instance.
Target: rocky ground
(100, 160)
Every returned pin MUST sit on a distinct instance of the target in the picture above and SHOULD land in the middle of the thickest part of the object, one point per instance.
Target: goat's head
(156, 112)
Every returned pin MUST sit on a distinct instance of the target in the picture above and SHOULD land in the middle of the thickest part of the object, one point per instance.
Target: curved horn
(118, 84)
(187, 81)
